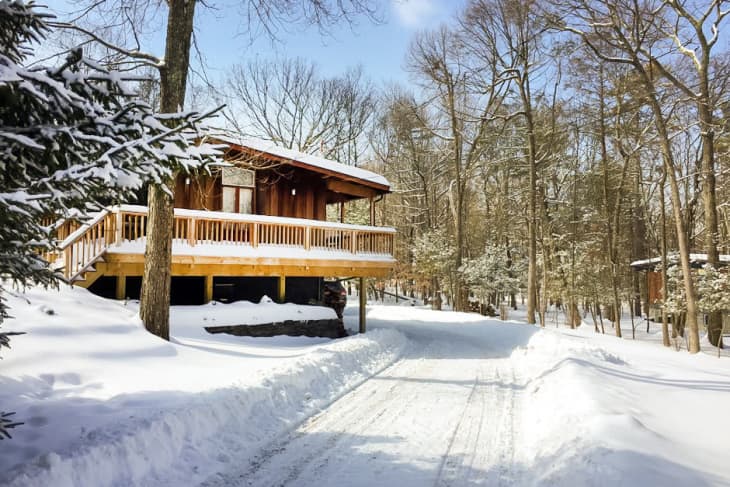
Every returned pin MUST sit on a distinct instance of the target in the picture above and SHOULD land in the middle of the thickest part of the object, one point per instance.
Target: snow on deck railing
(245, 217)
(127, 223)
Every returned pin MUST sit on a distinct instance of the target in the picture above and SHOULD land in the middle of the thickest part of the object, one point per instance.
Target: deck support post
(282, 289)
(208, 292)
(342, 212)
(120, 292)
(363, 301)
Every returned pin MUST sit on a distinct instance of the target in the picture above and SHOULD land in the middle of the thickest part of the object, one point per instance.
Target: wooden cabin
(255, 225)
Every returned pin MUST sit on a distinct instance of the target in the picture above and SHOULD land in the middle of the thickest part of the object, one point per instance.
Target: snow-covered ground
(105, 402)
(424, 398)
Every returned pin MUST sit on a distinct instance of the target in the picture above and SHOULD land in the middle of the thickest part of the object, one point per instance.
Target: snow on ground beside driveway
(105, 402)
(611, 411)
(591, 409)
(425, 398)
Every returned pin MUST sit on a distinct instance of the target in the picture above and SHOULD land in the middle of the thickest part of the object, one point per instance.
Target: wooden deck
(223, 244)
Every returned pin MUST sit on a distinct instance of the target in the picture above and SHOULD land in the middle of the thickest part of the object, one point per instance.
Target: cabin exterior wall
(300, 195)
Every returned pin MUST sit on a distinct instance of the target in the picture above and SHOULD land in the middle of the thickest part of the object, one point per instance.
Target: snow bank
(108, 404)
(609, 411)
(183, 440)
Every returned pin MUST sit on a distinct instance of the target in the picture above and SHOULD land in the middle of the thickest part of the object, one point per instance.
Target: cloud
(414, 13)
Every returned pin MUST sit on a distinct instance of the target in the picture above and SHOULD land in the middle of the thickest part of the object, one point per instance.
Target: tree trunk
(636, 287)
(155, 296)
(541, 292)
(608, 216)
(436, 300)
(526, 97)
(600, 317)
(638, 242)
(575, 319)
(662, 205)
(682, 239)
(714, 324)
(532, 237)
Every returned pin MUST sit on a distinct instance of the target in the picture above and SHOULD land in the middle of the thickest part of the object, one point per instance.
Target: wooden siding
(309, 199)
(654, 286)
(198, 192)
(272, 196)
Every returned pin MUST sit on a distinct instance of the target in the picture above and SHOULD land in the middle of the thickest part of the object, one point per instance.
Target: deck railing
(82, 247)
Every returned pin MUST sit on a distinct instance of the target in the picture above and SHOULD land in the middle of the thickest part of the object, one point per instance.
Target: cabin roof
(305, 161)
(695, 259)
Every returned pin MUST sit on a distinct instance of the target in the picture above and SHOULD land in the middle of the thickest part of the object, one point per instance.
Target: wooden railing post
(254, 234)
(281, 291)
(307, 238)
(67, 256)
(192, 231)
(120, 291)
(119, 227)
(353, 244)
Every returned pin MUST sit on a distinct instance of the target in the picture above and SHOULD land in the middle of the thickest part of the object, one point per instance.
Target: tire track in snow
(266, 470)
(427, 420)
(482, 450)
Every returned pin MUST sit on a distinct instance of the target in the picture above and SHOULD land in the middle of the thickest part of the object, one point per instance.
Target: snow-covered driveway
(443, 415)
(483, 403)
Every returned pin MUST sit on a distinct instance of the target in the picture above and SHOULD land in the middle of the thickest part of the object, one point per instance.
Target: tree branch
(147, 58)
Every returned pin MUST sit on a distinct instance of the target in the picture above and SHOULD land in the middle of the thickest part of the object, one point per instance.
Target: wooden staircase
(79, 254)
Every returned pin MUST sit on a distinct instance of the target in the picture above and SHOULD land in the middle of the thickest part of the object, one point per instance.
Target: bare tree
(416, 165)
(465, 105)
(510, 34)
(290, 103)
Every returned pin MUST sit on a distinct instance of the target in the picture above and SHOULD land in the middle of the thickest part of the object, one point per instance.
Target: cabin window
(238, 186)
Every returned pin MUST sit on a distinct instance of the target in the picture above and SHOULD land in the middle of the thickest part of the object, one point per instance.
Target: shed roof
(303, 160)
(674, 258)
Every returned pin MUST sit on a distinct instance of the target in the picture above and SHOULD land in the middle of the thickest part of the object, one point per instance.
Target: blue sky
(379, 48)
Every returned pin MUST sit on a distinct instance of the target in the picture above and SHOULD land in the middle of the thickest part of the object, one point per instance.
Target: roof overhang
(355, 180)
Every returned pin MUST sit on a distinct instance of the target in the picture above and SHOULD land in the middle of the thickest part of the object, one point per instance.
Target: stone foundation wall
(332, 328)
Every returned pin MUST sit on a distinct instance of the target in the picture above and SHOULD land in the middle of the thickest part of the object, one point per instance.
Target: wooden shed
(654, 283)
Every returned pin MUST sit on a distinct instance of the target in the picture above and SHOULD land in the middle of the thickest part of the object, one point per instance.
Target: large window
(238, 189)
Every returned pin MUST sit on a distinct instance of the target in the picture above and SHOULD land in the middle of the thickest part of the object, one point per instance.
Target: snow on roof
(301, 157)
(675, 257)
